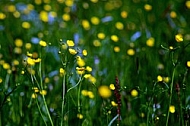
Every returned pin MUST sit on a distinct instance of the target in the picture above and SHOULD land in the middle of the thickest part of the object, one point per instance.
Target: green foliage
(58, 59)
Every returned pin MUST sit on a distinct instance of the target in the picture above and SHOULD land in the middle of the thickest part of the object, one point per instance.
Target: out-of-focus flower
(104, 91)
(172, 108)
(134, 93)
(43, 43)
(119, 25)
(72, 51)
(147, 7)
(95, 20)
(131, 52)
(179, 37)
(70, 43)
(150, 42)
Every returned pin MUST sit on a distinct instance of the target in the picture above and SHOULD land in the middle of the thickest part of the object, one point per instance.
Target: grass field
(94, 63)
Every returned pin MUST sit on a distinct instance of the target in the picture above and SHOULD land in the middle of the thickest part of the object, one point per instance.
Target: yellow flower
(11, 8)
(159, 78)
(17, 50)
(80, 68)
(38, 2)
(43, 92)
(26, 25)
(2, 16)
(87, 76)
(72, 51)
(94, 1)
(101, 35)
(15, 62)
(112, 86)
(92, 79)
(37, 60)
(30, 61)
(114, 38)
(116, 49)
(43, 43)
(173, 14)
(44, 16)
(84, 52)
(6, 66)
(134, 93)
(80, 116)
(188, 63)
(61, 71)
(47, 7)
(166, 79)
(69, 3)
(124, 14)
(147, 7)
(150, 42)
(119, 25)
(96, 43)
(172, 108)
(95, 20)
(28, 46)
(88, 68)
(16, 14)
(187, 3)
(86, 24)
(66, 17)
(18, 42)
(104, 91)
(35, 89)
(70, 43)
(90, 94)
(34, 95)
(131, 52)
(179, 37)
(114, 104)
(84, 92)
(80, 61)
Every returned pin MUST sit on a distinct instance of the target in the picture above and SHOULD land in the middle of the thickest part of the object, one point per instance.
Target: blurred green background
(134, 40)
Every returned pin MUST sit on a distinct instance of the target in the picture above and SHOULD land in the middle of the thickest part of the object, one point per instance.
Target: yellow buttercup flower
(44, 16)
(116, 49)
(95, 20)
(96, 43)
(114, 104)
(119, 25)
(88, 68)
(80, 116)
(26, 25)
(6, 66)
(187, 3)
(43, 92)
(179, 37)
(66, 17)
(124, 14)
(2, 16)
(84, 52)
(172, 108)
(86, 24)
(188, 63)
(101, 35)
(134, 93)
(84, 92)
(131, 52)
(173, 14)
(159, 78)
(150, 42)
(18, 42)
(43, 43)
(70, 43)
(114, 38)
(147, 7)
(112, 86)
(61, 71)
(30, 61)
(90, 94)
(104, 91)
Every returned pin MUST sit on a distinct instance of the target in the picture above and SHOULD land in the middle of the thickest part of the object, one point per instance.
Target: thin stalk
(63, 96)
(43, 97)
(79, 95)
(171, 91)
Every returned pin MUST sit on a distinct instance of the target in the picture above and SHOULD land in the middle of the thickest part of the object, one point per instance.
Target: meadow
(94, 63)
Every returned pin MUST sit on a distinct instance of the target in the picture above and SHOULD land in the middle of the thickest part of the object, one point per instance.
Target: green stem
(171, 90)
(63, 96)
(79, 95)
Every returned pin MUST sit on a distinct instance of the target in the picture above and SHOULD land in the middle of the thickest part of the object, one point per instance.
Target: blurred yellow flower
(84, 92)
(35, 89)
(131, 52)
(114, 104)
(159, 78)
(187, 3)
(80, 116)
(114, 38)
(18, 42)
(166, 79)
(94, 1)
(134, 93)
(124, 14)
(11, 8)
(90, 94)
(96, 43)
(16, 14)
(43, 92)
(147, 7)
(104, 91)
(87, 76)
(95, 20)
(84, 52)
(38, 2)
(61, 71)
(188, 63)
(2, 16)
(150, 42)
(34, 95)
(26, 25)
(30, 61)
(80, 61)
(119, 25)
(37, 60)
(172, 108)
(86, 24)
(69, 3)
(88, 68)
(17, 50)
(101, 35)
(15, 62)
(173, 14)
(6, 66)
(1, 80)
(179, 37)
(92, 79)
(44, 16)
(47, 7)
(43, 43)
(70, 43)
(116, 49)
(112, 86)
(28, 46)
(72, 51)
(66, 17)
